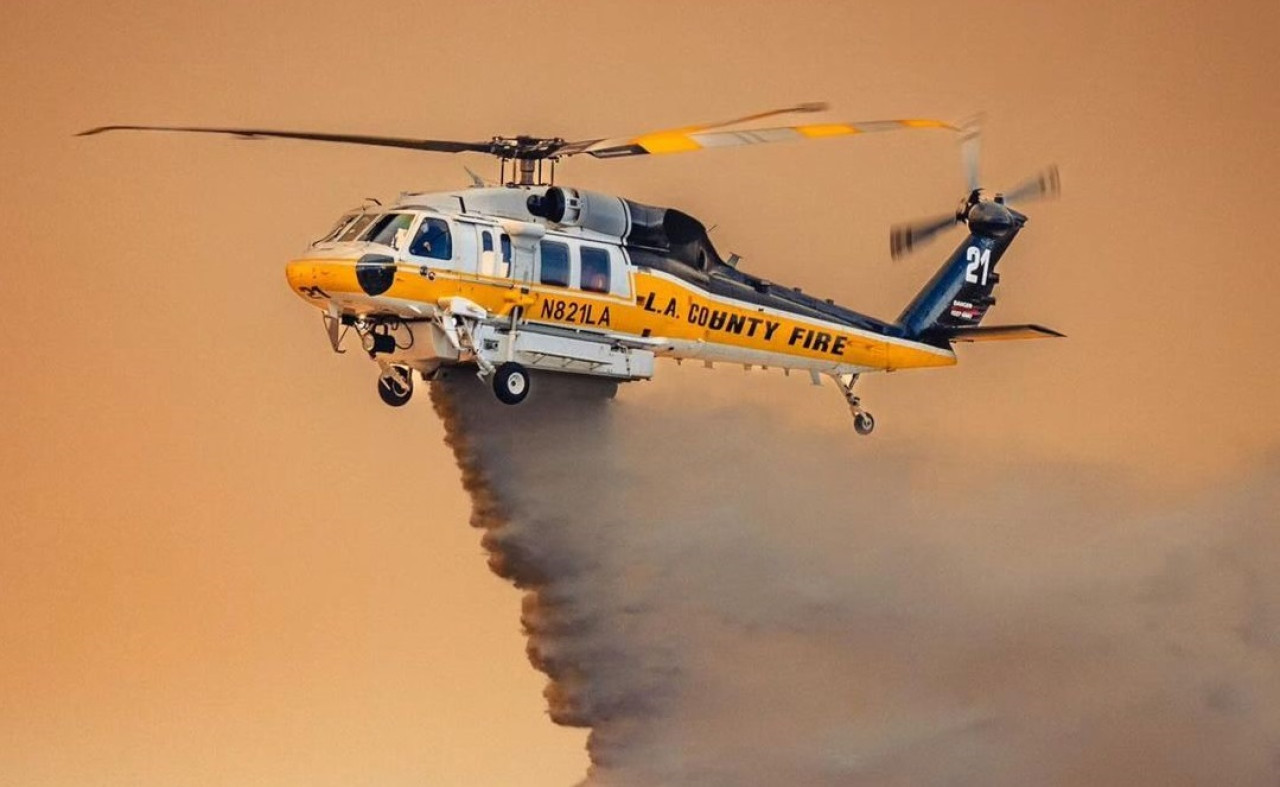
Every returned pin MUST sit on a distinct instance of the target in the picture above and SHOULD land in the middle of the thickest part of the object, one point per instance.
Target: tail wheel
(511, 383)
(864, 423)
(395, 386)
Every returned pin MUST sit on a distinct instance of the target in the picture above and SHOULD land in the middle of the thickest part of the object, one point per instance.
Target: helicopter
(531, 275)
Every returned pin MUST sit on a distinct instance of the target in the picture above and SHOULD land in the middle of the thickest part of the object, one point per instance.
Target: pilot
(598, 282)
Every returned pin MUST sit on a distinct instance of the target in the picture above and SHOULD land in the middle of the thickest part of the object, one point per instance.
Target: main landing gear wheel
(511, 383)
(395, 385)
(864, 423)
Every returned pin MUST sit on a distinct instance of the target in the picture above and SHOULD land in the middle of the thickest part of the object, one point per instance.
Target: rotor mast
(525, 154)
(528, 170)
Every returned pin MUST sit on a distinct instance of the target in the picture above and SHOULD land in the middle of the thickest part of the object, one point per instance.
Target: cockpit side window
(555, 263)
(354, 229)
(390, 230)
(433, 240)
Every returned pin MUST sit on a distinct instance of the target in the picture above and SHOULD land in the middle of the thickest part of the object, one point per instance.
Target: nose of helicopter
(298, 273)
(305, 278)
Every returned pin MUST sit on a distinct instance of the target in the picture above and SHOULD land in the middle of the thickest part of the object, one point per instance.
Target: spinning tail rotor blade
(1043, 185)
(971, 150)
(436, 145)
(905, 237)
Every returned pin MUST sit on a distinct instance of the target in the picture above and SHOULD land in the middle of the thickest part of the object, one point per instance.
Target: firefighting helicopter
(533, 275)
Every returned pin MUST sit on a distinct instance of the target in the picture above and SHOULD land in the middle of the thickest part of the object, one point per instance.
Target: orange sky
(225, 562)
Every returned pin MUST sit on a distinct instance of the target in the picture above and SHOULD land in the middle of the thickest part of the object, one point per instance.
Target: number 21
(978, 258)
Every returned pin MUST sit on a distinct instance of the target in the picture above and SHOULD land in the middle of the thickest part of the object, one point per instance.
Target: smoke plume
(727, 599)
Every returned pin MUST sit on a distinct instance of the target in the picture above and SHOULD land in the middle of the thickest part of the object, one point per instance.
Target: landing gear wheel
(511, 383)
(864, 423)
(395, 386)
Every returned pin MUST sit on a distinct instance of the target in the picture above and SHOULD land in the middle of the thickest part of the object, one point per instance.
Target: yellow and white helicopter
(532, 275)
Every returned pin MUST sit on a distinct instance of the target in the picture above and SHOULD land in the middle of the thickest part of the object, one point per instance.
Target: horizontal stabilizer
(996, 333)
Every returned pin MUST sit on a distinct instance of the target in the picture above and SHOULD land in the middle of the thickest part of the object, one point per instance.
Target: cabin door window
(494, 262)
(595, 269)
(553, 263)
(603, 270)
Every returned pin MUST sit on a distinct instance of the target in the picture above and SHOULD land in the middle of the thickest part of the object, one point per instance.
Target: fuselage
(485, 246)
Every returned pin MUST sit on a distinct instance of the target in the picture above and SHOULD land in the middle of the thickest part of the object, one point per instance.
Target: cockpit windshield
(338, 227)
(431, 238)
(356, 227)
(390, 230)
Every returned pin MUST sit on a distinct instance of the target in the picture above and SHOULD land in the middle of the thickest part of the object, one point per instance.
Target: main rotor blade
(585, 146)
(436, 145)
(905, 237)
(804, 106)
(1044, 184)
(700, 137)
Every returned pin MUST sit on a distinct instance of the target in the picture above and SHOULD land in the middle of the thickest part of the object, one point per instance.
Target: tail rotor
(1042, 185)
(903, 238)
(974, 208)
(971, 150)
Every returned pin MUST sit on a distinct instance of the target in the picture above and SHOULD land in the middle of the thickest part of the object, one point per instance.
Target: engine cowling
(580, 208)
(664, 230)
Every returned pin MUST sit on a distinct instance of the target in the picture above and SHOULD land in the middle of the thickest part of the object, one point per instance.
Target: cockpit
(419, 235)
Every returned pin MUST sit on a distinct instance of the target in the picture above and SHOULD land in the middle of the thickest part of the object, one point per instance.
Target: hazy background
(224, 561)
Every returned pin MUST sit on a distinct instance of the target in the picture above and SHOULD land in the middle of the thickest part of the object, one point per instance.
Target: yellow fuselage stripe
(664, 307)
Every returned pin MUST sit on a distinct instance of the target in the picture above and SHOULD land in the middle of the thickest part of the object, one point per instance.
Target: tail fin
(960, 293)
(958, 296)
